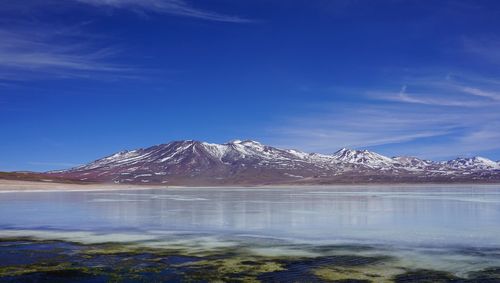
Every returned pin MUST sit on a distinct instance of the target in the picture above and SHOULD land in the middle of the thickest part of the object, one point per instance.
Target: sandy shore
(30, 186)
(40, 186)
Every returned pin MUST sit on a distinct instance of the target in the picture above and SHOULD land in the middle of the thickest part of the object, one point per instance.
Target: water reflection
(426, 216)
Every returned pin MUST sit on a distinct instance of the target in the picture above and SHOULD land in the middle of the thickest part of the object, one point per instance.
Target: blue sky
(81, 79)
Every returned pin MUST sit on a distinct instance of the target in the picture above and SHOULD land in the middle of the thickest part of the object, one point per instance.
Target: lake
(445, 233)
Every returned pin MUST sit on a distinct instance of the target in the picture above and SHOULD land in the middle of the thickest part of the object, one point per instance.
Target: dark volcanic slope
(251, 163)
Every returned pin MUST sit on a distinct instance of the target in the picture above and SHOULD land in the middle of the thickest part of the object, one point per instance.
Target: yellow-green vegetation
(251, 267)
(31, 260)
(111, 249)
(66, 268)
(23, 269)
(376, 273)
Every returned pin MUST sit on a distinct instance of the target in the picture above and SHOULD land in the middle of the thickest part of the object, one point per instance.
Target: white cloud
(452, 91)
(47, 51)
(444, 119)
(481, 93)
(361, 126)
(424, 99)
(175, 7)
(474, 141)
(30, 49)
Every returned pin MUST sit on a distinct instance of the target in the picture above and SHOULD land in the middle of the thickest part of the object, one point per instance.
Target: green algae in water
(31, 260)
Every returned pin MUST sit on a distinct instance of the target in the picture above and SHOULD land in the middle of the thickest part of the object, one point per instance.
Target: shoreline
(11, 186)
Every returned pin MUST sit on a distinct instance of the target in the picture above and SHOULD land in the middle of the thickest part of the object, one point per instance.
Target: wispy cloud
(451, 91)
(28, 52)
(174, 7)
(32, 49)
(481, 93)
(420, 98)
(486, 48)
(361, 126)
(443, 118)
(476, 140)
(486, 137)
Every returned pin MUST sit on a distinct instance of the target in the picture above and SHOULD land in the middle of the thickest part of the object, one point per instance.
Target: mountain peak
(237, 141)
(342, 150)
(364, 157)
(476, 162)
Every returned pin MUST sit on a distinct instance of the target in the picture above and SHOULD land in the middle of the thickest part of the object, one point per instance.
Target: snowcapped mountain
(473, 163)
(252, 163)
(413, 162)
(363, 157)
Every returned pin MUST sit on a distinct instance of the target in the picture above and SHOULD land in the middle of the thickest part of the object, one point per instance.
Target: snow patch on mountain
(363, 157)
(472, 163)
(414, 163)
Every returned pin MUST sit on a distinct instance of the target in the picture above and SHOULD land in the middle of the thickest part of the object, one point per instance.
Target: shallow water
(455, 229)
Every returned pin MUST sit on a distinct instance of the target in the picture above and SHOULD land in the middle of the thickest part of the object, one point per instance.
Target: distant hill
(248, 162)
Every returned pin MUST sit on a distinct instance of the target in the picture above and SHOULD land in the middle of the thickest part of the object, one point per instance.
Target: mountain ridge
(248, 162)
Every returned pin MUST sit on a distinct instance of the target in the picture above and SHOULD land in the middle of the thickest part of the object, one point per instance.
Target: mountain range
(195, 163)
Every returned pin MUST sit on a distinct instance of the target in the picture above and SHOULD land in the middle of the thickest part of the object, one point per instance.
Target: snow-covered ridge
(198, 156)
(363, 157)
(413, 162)
(472, 163)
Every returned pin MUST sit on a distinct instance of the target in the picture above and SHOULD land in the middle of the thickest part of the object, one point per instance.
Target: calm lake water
(449, 228)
